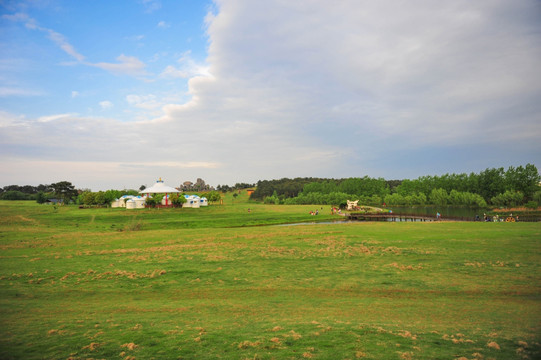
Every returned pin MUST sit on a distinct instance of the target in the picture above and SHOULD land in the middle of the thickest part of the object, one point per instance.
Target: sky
(116, 94)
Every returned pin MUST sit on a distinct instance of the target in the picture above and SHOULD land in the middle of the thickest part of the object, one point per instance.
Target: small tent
(192, 201)
(130, 204)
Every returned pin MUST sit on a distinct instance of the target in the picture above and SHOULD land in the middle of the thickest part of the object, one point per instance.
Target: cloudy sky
(114, 94)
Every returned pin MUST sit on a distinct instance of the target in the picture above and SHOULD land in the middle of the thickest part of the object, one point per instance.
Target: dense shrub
(531, 204)
(177, 200)
(508, 199)
(16, 195)
(151, 202)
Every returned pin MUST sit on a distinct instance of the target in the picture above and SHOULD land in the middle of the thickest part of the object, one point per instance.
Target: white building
(204, 202)
(192, 201)
(129, 202)
(160, 188)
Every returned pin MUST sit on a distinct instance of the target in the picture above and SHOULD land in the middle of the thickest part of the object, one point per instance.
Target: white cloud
(148, 102)
(163, 25)
(7, 119)
(15, 91)
(151, 5)
(49, 118)
(407, 67)
(187, 68)
(61, 41)
(21, 17)
(56, 37)
(74, 94)
(106, 104)
(177, 165)
(127, 65)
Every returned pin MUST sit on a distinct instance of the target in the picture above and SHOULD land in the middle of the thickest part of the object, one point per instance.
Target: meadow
(226, 283)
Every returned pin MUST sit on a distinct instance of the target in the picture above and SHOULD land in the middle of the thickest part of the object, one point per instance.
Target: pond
(445, 211)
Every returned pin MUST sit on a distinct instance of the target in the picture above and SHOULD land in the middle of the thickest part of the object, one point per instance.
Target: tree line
(63, 191)
(493, 186)
(237, 186)
(499, 187)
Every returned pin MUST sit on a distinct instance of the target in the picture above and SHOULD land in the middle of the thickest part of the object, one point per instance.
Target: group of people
(496, 218)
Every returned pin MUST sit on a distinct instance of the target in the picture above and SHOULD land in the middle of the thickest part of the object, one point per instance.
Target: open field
(205, 284)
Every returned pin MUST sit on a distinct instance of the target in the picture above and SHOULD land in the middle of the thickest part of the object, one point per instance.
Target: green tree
(273, 199)
(523, 179)
(151, 202)
(439, 197)
(41, 198)
(15, 195)
(100, 198)
(111, 195)
(87, 198)
(64, 190)
(178, 200)
(491, 183)
(537, 197)
(508, 199)
(213, 196)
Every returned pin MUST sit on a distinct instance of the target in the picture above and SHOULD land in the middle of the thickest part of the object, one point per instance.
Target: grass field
(206, 284)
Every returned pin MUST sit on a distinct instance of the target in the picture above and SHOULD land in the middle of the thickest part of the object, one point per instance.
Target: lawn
(208, 283)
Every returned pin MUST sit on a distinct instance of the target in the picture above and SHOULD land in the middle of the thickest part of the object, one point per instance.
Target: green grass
(209, 283)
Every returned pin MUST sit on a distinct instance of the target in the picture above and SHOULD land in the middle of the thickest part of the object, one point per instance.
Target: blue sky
(113, 94)
(99, 58)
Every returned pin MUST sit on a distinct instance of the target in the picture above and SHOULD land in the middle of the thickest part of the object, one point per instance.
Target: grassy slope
(187, 285)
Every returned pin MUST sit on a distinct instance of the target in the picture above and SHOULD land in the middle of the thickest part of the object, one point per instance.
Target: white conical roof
(159, 188)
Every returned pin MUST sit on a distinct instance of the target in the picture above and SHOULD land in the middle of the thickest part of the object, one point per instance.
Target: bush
(15, 195)
(508, 199)
(531, 204)
(537, 197)
(41, 198)
(151, 202)
(178, 200)
(439, 197)
(213, 196)
(133, 225)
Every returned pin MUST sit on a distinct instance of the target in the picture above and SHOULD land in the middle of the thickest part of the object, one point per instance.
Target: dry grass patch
(474, 264)
(360, 354)
(393, 250)
(294, 335)
(68, 275)
(457, 339)
(129, 346)
(248, 344)
(407, 334)
(406, 267)
(275, 251)
(92, 346)
(408, 355)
